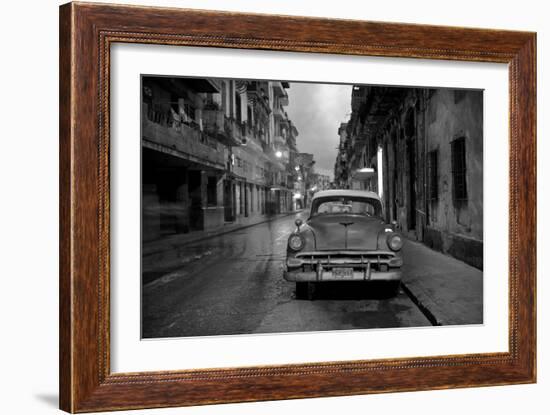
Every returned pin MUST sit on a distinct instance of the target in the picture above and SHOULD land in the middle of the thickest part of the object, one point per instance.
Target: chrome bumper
(325, 275)
(376, 265)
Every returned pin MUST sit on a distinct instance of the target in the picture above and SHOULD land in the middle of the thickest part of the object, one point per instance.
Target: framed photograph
(258, 207)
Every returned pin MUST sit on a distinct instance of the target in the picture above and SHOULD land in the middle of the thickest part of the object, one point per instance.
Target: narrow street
(233, 283)
(228, 163)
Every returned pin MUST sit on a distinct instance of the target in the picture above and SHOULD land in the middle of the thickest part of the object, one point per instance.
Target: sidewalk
(449, 291)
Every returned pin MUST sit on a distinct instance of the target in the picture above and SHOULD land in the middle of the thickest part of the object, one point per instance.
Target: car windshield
(346, 204)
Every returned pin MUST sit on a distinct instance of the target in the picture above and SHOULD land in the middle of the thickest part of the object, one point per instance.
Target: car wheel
(305, 290)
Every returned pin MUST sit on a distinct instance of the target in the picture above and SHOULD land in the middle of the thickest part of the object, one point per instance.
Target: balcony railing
(168, 130)
(279, 112)
(219, 126)
(212, 120)
(235, 130)
(256, 135)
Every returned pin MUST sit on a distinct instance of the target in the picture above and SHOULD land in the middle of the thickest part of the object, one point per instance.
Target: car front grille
(378, 260)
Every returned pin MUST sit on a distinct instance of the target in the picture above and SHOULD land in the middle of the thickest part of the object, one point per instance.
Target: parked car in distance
(345, 238)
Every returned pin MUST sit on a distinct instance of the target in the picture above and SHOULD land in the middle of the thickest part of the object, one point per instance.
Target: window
(351, 205)
(458, 161)
(211, 191)
(433, 175)
(189, 111)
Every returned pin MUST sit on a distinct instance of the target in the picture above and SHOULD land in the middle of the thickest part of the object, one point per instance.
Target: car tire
(305, 290)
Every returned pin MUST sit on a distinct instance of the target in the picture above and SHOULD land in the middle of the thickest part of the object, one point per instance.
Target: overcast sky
(317, 111)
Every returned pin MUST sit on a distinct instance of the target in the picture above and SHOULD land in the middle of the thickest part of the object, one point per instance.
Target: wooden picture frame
(86, 33)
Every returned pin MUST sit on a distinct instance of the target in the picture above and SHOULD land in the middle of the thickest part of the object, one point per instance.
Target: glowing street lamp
(278, 154)
(366, 170)
(297, 168)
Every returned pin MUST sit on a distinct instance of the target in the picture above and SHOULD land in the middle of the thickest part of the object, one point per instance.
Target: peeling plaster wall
(429, 120)
(456, 228)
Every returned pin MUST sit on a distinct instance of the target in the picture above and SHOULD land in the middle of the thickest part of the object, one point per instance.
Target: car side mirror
(298, 223)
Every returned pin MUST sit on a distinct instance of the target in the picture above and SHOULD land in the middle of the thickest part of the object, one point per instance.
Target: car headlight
(295, 242)
(395, 242)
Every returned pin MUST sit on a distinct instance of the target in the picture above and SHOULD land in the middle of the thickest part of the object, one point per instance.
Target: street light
(365, 170)
(379, 160)
(297, 168)
(278, 154)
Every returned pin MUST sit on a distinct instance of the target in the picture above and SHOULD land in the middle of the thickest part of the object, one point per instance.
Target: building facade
(341, 165)
(321, 182)
(214, 151)
(305, 167)
(421, 150)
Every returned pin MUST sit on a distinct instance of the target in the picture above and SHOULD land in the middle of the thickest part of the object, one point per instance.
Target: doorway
(228, 201)
(411, 156)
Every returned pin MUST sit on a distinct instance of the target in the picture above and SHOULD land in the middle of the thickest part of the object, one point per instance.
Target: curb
(423, 309)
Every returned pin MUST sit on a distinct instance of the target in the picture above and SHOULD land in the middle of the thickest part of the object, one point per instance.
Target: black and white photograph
(276, 206)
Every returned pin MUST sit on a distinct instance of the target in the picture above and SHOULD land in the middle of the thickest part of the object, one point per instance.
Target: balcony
(235, 131)
(292, 144)
(278, 88)
(279, 113)
(279, 140)
(268, 180)
(184, 140)
(217, 125)
(252, 142)
(215, 83)
(255, 138)
(257, 93)
(283, 184)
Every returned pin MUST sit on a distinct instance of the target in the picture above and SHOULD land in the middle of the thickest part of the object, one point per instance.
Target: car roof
(346, 192)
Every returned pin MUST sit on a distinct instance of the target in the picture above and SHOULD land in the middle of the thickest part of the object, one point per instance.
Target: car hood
(336, 232)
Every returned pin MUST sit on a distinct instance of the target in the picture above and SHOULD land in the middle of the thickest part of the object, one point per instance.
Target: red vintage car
(345, 238)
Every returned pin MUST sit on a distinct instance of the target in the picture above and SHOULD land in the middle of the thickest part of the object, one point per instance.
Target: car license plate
(342, 273)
